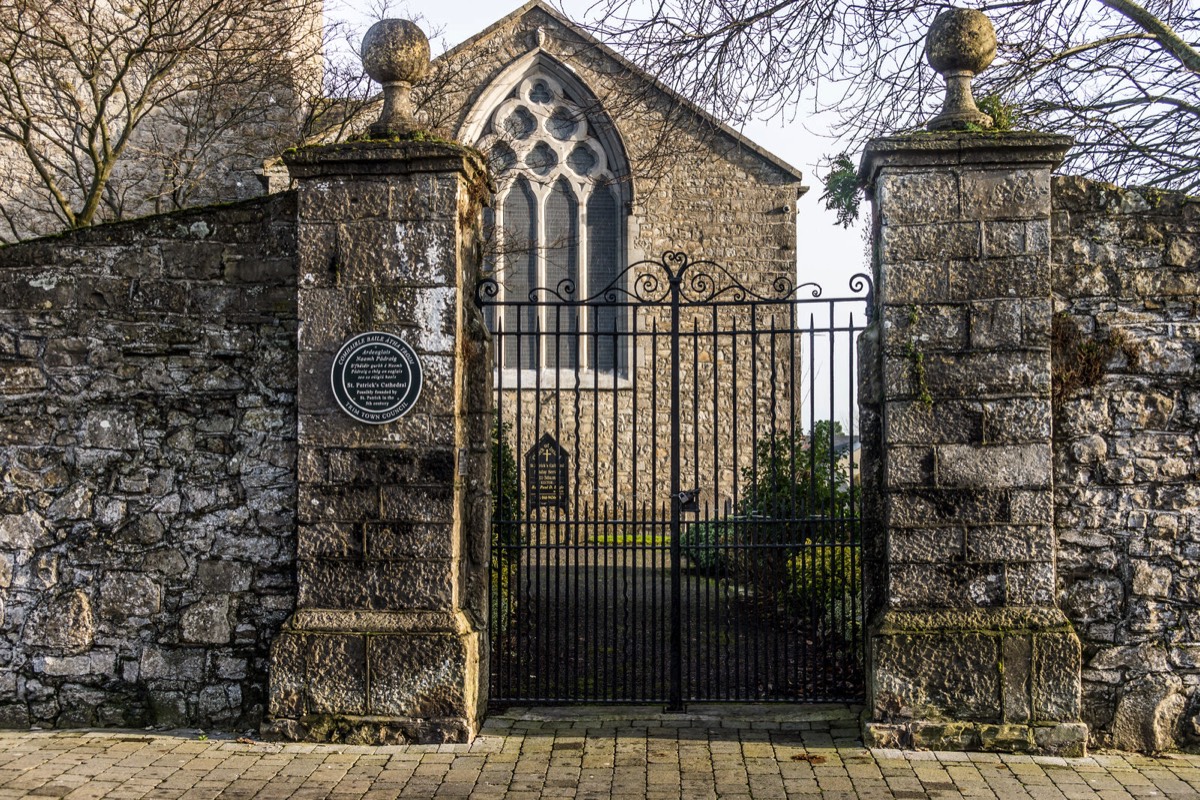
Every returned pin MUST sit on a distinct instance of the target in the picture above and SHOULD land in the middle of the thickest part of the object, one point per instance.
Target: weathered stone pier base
(387, 644)
(967, 646)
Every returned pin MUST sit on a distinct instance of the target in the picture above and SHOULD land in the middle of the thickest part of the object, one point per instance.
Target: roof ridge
(688, 104)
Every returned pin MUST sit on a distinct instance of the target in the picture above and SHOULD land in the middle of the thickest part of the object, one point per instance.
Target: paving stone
(551, 756)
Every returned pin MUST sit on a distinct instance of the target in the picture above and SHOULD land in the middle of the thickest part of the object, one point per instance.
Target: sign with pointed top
(547, 475)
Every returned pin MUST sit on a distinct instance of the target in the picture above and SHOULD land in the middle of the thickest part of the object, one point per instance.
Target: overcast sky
(826, 253)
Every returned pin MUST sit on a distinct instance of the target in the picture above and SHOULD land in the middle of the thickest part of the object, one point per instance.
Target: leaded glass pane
(606, 345)
(562, 273)
(520, 275)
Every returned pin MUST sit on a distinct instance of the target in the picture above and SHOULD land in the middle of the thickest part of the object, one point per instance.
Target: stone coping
(965, 148)
(384, 157)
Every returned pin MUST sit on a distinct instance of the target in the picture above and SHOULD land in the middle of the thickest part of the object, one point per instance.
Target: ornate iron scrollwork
(675, 277)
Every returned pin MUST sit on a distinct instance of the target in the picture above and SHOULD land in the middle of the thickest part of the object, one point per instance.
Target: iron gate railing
(676, 509)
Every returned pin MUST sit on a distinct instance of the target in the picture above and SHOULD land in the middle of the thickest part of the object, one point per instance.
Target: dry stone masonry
(1127, 455)
(147, 468)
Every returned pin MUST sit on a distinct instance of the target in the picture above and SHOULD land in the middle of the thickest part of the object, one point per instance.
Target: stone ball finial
(395, 52)
(960, 45)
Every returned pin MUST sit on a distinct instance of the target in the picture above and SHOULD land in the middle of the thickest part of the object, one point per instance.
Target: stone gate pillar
(967, 648)
(388, 642)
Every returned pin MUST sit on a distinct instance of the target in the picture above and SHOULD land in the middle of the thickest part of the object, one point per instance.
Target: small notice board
(547, 472)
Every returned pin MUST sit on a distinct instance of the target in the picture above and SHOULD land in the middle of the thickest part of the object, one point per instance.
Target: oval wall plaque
(376, 377)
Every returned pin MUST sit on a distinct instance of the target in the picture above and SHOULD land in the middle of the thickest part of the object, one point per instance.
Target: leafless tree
(111, 108)
(1123, 78)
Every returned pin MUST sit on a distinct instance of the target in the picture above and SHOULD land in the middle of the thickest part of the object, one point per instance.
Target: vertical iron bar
(737, 529)
(676, 696)
(759, 553)
(656, 650)
(832, 555)
(812, 502)
(713, 629)
(857, 601)
(784, 525)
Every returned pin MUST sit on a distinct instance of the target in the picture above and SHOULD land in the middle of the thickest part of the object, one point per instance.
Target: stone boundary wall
(147, 468)
(1127, 455)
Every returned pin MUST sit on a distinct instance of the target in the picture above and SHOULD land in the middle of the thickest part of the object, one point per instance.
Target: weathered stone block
(1003, 239)
(906, 284)
(931, 586)
(220, 576)
(922, 508)
(418, 503)
(62, 623)
(334, 200)
(319, 256)
(909, 466)
(936, 677)
(336, 429)
(428, 315)
(421, 676)
(109, 429)
(918, 197)
(329, 540)
(996, 324)
(398, 253)
(376, 585)
(288, 676)
(997, 466)
(175, 665)
(1005, 193)
(336, 674)
(336, 503)
(954, 422)
(1018, 419)
(409, 540)
(929, 327)
(16, 379)
(206, 621)
(943, 241)
(979, 374)
(1056, 670)
(128, 594)
(931, 546)
(330, 316)
(1017, 666)
(1004, 543)
(1017, 277)
(23, 531)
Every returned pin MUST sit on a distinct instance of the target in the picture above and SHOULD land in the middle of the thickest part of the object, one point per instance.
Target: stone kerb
(387, 642)
(967, 647)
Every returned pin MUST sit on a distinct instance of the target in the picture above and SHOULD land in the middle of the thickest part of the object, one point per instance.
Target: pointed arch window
(559, 225)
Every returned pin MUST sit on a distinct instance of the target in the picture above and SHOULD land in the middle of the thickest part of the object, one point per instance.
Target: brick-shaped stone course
(960, 502)
(386, 643)
(147, 519)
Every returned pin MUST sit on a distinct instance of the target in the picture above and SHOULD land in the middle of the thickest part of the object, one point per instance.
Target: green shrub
(818, 575)
(506, 526)
(706, 545)
(789, 480)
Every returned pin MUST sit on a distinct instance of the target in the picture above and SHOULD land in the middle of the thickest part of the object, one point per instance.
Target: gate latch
(689, 500)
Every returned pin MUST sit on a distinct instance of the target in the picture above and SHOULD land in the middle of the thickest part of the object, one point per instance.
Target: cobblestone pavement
(734, 752)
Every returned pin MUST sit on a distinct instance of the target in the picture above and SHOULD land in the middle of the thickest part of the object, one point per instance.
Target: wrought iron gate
(675, 500)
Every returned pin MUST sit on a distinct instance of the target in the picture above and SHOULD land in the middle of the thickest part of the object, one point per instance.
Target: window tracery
(557, 218)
